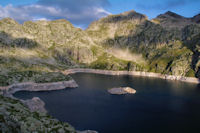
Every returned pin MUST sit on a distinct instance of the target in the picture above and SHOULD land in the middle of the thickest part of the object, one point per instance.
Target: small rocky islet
(121, 90)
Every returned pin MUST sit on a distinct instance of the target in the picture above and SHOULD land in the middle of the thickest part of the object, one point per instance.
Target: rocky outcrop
(115, 25)
(35, 105)
(172, 20)
(196, 18)
(122, 90)
(17, 118)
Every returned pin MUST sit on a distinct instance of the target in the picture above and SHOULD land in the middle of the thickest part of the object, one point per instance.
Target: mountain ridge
(110, 43)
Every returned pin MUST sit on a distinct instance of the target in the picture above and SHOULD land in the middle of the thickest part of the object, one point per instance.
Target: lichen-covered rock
(35, 105)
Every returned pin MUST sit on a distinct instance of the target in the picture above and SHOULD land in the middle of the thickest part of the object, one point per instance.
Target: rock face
(122, 90)
(35, 105)
(196, 18)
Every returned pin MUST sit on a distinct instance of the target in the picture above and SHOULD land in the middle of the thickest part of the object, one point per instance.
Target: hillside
(168, 44)
(38, 48)
(17, 118)
(38, 52)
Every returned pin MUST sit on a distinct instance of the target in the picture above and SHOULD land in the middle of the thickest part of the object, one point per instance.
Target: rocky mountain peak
(172, 14)
(196, 18)
(171, 20)
(9, 21)
(169, 15)
(128, 12)
(129, 15)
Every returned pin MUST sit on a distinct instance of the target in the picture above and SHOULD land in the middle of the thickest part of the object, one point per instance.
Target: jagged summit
(116, 25)
(196, 18)
(171, 14)
(9, 21)
(170, 20)
(128, 12)
(129, 15)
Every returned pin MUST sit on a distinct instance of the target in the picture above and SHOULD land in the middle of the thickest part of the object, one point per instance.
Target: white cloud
(37, 19)
(77, 14)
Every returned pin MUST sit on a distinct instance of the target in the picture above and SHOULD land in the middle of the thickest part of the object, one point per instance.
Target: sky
(82, 12)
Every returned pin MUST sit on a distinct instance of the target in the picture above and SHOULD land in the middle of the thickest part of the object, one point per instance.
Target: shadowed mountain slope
(167, 43)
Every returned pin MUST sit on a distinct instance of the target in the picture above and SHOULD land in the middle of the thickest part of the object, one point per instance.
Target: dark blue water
(159, 106)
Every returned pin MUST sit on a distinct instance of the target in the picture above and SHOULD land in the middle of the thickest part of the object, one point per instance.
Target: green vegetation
(190, 73)
(109, 62)
(173, 50)
(16, 118)
(31, 76)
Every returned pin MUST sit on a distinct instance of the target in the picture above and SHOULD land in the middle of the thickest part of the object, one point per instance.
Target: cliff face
(168, 44)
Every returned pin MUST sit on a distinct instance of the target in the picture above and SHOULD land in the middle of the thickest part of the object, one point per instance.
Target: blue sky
(152, 8)
(83, 12)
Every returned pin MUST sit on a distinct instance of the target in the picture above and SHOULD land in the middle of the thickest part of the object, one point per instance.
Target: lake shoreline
(8, 91)
(36, 104)
(31, 86)
(133, 73)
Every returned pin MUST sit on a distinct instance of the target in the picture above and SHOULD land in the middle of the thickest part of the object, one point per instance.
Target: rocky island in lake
(122, 90)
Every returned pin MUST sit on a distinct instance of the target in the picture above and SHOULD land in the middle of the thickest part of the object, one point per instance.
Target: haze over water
(159, 106)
